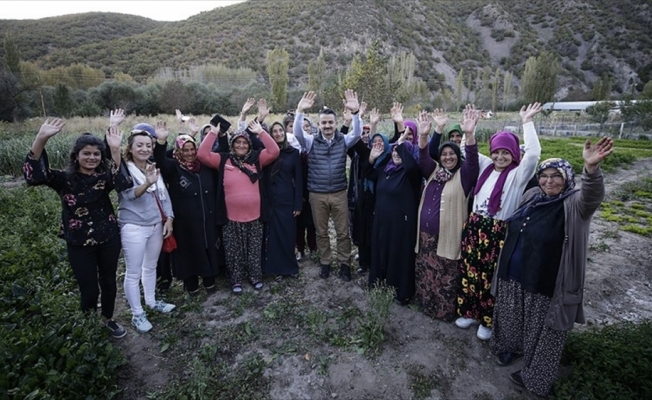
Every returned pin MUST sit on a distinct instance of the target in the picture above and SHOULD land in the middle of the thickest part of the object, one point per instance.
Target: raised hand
(263, 111)
(162, 131)
(215, 129)
(397, 112)
(255, 127)
(51, 128)
(179, 116)
(307, 100)
(193, 127)
(527, 114)
(424, 123)
(470, 118)
(440, 118)
(151, 174)
(374, 116)
(376, 150)
(247, 106)
(594, 154)
(114, 137)
(403, 136)
(351, 101)
(346, 114)
(117, 116)
(363, 109)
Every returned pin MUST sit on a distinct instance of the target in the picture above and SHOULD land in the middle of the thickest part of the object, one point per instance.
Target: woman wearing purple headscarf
(394, 232)
(407, 126)
(496, 195)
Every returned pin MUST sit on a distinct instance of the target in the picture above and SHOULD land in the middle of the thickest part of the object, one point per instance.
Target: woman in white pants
(142, 229)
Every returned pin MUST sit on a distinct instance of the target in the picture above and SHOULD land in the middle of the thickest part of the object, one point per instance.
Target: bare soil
(299, 338)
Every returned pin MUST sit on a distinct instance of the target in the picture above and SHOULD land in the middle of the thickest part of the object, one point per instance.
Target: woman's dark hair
(86, 139)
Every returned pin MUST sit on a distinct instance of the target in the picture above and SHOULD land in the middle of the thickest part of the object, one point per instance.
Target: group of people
(448, 228)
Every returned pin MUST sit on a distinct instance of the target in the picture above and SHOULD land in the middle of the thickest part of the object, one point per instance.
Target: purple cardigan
(432, 194)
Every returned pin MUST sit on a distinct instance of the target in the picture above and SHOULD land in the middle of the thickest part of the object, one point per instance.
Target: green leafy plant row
(50, 350)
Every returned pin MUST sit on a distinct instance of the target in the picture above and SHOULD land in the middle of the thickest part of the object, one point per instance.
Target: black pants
(164, 270)
(191, 283)
(93, 265)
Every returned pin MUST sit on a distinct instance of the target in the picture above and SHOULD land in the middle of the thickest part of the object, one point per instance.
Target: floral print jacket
(87, 216)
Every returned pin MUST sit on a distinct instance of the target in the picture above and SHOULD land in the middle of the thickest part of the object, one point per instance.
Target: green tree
(459, 84)
(63, 103)
(278, 65)
(317, 76)
(539, 78)
(602, 88)
(599, 112)
(647, 91)
(507, 89)
(400, 74)
(369, 78)
(494, 90)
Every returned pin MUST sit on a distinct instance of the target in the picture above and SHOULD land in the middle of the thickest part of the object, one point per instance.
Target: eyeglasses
(557, 178)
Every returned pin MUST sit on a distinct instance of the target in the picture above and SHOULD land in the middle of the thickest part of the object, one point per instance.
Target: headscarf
(201, 132)
(284, 144)
(368, 184)
(250, 158)
(541, 198)
(391, 166)
(314, 130)
(179, 142)
(501, 140)
(453, 128)
(415, 138)
(443, 174)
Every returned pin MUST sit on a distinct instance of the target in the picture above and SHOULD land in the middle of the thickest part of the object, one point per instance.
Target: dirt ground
(297, 339)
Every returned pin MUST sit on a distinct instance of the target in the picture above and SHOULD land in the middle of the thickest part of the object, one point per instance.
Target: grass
(631, 207)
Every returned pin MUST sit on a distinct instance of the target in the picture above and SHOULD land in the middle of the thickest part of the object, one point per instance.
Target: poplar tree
(278, 65)
(539, 78)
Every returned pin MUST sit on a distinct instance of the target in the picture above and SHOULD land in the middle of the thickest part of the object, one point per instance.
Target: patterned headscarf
(250, 158)
(564, 168)
(179, 142)
(541, 199)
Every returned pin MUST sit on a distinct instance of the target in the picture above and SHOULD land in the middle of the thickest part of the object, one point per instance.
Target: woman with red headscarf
(192, 188)
(497, 194)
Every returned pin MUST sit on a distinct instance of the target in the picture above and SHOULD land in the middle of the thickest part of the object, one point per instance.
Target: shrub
(50, 350)
(609, 363)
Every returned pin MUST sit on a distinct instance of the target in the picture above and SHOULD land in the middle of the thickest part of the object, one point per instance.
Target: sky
(156, 10)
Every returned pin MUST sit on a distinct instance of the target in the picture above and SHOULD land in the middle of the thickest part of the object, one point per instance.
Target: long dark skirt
(243, 244)
(278, 256)
(519, 328)
(437, 279)
(482, 240)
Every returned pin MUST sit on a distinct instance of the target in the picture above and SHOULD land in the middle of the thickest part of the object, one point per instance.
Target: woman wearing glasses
(142, 228)
(540, 277)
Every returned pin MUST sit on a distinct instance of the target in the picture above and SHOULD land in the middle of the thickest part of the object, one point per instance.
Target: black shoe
(117, 331)
(325, 271)
(211, 290)
(517, 378)
(345, 273)
(507, 358)
(362, 270)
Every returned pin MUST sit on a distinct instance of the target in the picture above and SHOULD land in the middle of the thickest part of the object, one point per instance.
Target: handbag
(170, 242)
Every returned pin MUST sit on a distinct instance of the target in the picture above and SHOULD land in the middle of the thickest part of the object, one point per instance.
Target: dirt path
(296, 339)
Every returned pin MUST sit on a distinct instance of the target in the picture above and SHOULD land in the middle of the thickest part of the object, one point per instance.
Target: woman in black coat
(283, 183)
(395, 219)
(192, 191)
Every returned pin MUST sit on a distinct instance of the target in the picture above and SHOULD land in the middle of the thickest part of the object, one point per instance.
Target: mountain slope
(591, 37)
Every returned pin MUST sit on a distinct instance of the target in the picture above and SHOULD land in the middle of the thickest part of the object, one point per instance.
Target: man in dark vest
(327, 178)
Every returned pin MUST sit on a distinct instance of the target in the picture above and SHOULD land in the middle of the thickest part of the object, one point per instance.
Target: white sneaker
(141, 323)
(163, 307)
(464, 323)
(484, 333)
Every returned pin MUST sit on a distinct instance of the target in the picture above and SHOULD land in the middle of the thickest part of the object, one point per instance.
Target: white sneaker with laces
(464, 323)
(141, 323)
(163, 307)
(484, 333)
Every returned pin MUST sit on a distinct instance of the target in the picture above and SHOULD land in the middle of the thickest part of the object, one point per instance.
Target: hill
(591, 37)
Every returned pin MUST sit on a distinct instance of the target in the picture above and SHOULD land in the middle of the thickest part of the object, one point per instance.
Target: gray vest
(327, 165)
